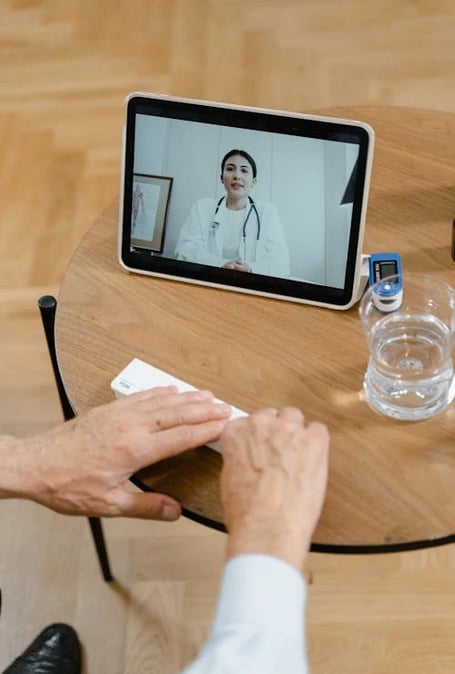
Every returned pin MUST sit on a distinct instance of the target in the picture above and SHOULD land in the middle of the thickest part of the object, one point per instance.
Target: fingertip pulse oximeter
(386, 279)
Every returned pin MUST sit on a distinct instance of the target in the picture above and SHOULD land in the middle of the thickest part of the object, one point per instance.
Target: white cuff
(263, 591)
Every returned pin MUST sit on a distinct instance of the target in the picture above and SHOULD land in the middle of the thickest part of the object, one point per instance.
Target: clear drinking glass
(410, 371)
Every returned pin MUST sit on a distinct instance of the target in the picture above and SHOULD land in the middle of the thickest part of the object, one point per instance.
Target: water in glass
(410, 371)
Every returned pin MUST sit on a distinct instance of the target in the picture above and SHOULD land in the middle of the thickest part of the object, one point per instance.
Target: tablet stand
(364, 277)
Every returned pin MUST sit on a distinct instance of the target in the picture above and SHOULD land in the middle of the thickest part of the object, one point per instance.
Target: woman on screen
(235, 232)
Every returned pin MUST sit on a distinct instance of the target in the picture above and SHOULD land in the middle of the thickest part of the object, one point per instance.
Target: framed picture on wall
(149, 207)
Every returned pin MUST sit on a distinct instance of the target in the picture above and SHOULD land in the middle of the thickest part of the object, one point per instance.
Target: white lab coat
(201, 240)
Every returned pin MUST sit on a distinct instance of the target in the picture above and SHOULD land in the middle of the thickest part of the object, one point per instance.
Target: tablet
(245, 199)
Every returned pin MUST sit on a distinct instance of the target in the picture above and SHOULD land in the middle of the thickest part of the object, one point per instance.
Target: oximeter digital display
(386, 280)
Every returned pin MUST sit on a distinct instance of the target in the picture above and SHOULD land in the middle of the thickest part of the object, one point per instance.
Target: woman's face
(237, 177)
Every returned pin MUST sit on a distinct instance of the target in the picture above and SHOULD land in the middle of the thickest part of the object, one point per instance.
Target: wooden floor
(65, 68)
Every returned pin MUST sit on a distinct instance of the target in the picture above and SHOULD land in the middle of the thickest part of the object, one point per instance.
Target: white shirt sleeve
(272, 254)
(193, 244)
(259, 622)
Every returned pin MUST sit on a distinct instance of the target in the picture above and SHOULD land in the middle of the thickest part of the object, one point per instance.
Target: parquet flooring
(66, 67)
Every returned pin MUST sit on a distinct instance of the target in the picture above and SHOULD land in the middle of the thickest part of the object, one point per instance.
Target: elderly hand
(273, 483)
(82, 466)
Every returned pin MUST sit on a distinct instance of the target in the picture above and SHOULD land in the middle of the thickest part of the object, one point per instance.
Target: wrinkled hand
(82, 466)
(273, 483)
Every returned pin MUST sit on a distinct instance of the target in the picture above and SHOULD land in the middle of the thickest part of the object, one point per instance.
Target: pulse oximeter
(386, 279)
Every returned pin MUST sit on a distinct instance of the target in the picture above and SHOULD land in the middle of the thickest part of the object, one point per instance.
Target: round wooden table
(391, 483)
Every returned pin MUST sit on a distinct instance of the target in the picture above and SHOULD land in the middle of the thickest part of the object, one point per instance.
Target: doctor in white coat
(235, 232)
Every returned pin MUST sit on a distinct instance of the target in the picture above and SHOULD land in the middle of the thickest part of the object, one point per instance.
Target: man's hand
(82, 466)
(273, 483)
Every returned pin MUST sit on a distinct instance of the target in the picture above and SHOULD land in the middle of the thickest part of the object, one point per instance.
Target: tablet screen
(245, 199)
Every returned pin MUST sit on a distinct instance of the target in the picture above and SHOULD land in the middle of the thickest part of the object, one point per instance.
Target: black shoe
(56, 650)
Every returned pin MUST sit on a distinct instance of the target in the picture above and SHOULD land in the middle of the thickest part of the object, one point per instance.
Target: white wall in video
(298, 189)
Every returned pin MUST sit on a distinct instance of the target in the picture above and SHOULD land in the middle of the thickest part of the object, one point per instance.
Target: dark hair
(242, 153)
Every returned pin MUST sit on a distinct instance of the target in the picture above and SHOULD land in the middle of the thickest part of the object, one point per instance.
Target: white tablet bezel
(307, 293)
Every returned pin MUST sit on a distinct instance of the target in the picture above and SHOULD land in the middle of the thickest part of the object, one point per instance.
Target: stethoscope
(216, 223)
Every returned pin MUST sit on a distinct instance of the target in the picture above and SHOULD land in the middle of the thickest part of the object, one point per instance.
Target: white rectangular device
(258, 201)
(140, 376)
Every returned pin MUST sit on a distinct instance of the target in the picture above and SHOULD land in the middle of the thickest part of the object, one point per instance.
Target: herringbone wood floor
(65, 69)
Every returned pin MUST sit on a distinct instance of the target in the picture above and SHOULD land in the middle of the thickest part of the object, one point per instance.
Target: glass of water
(410, 338)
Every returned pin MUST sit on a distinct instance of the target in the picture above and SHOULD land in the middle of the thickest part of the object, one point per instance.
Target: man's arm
(272, 488)
(81, 467)
(11, 480)
(259, 623)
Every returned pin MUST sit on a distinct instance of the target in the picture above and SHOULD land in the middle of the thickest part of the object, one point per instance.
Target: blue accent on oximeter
(387, 279)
